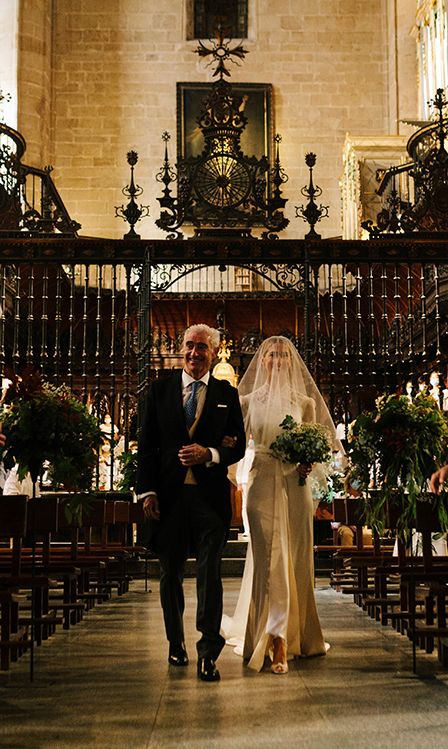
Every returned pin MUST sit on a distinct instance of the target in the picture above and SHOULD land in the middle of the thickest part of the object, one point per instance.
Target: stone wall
(34, 79)
(108, 84)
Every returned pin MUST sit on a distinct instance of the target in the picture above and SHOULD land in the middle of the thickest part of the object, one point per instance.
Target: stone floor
(106, 684)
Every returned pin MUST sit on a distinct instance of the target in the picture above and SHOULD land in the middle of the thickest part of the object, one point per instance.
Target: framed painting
(256, 98)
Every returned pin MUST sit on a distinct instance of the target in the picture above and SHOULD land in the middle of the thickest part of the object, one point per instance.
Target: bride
(276, 613)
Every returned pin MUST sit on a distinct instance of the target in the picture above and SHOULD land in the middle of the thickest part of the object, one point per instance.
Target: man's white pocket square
(222, 405)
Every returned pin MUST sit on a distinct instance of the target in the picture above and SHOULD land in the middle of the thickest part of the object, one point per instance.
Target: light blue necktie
(190, 405)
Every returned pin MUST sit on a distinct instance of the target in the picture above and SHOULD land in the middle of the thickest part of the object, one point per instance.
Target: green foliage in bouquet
(302, 443)
(43, 423)
(396, 448)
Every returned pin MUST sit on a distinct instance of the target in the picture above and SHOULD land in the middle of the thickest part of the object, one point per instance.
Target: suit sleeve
(148, 448)
(235, 428)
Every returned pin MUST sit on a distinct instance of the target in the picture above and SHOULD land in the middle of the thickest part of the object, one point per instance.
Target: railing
(76, 321)
(415, 193)
(368, 317)
(29, 200)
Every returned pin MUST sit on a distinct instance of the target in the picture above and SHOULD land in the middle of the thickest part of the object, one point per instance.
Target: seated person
(346, 534)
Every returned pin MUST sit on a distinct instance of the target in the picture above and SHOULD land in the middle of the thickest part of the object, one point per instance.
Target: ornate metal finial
(132, 213)
(221, 53)
(439, 103)
(311, 213)
(171, 216)
(278, 177)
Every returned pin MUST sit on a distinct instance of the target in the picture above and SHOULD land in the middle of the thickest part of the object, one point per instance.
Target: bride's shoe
(279, 668)
(279, 662)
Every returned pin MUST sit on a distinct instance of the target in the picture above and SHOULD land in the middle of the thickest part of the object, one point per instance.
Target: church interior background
(263, 166)
(100, 106)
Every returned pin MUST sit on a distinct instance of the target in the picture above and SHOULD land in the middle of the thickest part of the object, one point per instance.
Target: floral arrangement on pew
(393, 450)
(48, 424)
(302, 444)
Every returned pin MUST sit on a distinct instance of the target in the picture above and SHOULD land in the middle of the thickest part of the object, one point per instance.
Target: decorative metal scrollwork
(29, 201)
(222, 181)
(282, 276)
(427, 209)
(222, 188)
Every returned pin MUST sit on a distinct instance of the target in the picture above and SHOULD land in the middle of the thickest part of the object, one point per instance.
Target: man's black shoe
(178, 655)
(207, 670)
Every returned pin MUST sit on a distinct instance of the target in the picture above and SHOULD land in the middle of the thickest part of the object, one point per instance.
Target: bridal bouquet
(302, 443)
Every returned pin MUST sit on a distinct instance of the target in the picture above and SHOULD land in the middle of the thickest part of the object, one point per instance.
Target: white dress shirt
(187, 381)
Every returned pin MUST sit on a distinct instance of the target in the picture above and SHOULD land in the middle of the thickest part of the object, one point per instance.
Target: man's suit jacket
(164, 432)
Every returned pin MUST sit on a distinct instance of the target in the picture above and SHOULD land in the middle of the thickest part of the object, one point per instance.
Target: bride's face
(276, 358)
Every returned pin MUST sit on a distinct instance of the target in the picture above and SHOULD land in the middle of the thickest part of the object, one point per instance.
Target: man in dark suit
(191, 432)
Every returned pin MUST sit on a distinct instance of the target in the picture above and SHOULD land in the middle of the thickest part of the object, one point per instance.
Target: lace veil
(275, 384)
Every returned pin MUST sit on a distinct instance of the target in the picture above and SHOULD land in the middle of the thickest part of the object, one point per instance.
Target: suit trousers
(192, 523)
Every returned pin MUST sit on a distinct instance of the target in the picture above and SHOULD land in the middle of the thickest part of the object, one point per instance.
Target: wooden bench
(14, 639)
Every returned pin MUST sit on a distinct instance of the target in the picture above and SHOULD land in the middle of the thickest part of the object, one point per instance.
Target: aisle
(106, 685)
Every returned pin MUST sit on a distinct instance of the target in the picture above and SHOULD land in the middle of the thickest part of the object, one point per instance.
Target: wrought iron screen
(99, 315)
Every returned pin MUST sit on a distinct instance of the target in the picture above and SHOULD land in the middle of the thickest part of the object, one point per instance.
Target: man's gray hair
(213, 334)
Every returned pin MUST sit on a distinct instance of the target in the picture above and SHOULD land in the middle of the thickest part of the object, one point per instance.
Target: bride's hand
(304, 469)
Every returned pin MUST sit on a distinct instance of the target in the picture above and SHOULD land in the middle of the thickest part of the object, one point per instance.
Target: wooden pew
(42, 522)
(45, 522)
(103, 563)
(13, 639)
(103, 515)
(19, 571)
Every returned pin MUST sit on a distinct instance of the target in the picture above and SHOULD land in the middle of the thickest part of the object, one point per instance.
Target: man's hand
(228, 441)
(151, 507)
(194, 455)
(437, 479)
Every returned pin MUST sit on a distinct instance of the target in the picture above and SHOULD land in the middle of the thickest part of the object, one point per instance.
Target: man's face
(198, 354)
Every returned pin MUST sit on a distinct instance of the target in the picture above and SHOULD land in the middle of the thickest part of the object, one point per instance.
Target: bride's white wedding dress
(277, 591)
